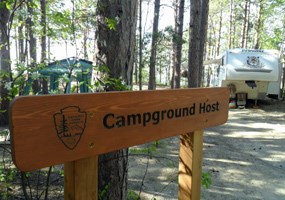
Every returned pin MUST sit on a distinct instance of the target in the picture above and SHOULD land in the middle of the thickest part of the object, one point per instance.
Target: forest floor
(245, 159)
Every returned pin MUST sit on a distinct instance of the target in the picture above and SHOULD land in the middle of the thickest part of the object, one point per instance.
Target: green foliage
(132, 195)
(107, 83)
(150, 149)
(4, 132)
(112, 23)
(115, 84)
(7, 176)
(8, 4)
(61, 172)
(206, 180)
(274, 41)
(60, 26)
(103, 69)
(104, 191)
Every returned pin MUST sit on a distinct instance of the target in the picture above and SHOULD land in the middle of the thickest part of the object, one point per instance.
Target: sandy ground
(245, 158)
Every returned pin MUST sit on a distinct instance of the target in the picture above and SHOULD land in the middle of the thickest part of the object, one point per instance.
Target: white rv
(252, 71)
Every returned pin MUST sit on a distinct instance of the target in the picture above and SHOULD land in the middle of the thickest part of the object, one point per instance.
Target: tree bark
(44, 42)
(32, 43)
(21, 36)
(5, 65)
(231, 25)
(245, 24)
(141, 46)
(194, 44)
(174, 43)
(260, 25)
(152, 62)
(115, 49)
(179, 42)
(234, 37)
(220, 30)
(203, 32)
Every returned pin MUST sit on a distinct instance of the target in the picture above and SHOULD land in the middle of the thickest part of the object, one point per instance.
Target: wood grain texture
(48, 130)
(81, 179)
(190, 166)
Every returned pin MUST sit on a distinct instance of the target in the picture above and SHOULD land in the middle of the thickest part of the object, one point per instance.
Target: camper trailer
(252, 72)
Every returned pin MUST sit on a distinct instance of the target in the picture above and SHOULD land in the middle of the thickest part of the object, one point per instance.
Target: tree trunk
(194, 44)
(260, 25)
(141, 46)
(231, 25)
(21, 36)
(5, 65)
(44, 42)
(115, 49)
(203, 32)
(174, 43)
(32, 43)
(152, 62)
(210, 40)
(245, 24)
(234, 29)
(220, 30)
(179, 42)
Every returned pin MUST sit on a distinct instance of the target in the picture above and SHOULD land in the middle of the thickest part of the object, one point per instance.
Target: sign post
(190, 165)
(76, 128)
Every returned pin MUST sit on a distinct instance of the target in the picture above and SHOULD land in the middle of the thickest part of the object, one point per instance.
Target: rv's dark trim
(253, 70)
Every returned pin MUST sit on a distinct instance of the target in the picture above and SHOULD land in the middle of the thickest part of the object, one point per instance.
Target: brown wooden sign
(48, 130)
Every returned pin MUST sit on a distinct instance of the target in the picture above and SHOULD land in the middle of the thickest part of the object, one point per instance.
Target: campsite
(142, 99)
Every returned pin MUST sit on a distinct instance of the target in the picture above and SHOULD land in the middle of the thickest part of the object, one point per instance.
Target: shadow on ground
(245, 158)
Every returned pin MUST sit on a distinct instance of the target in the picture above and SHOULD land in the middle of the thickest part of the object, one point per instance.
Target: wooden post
(190, 166)
(81, 179)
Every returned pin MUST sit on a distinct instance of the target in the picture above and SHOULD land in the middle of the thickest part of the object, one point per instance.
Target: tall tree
(203, 32)
(220, 29)
(44, 41)
(21, 38)
(115, 38)
(245, 24)
(194, 44)
(32, 41)
(231, 25)
(152, 62)
(5, 65)
(260, 24)
(174, 43)
(179, 42)
(141, 45)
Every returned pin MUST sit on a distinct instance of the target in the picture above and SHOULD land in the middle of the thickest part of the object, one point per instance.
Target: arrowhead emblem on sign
(70, 124)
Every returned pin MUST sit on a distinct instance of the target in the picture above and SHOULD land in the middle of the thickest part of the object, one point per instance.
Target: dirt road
(245, 158)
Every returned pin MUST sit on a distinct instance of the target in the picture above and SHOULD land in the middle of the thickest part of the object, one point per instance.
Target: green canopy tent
(70, 68)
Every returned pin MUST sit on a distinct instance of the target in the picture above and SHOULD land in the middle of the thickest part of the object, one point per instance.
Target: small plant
(103, 191)
(149, 149)
(7, 176)
(206, 180)
(106, 83)
(132, 195)
(112, 23)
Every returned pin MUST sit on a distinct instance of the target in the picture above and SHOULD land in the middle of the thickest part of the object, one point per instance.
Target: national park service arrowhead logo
(70, 124)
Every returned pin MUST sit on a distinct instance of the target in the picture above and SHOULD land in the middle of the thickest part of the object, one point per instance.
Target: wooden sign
(53, 129)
